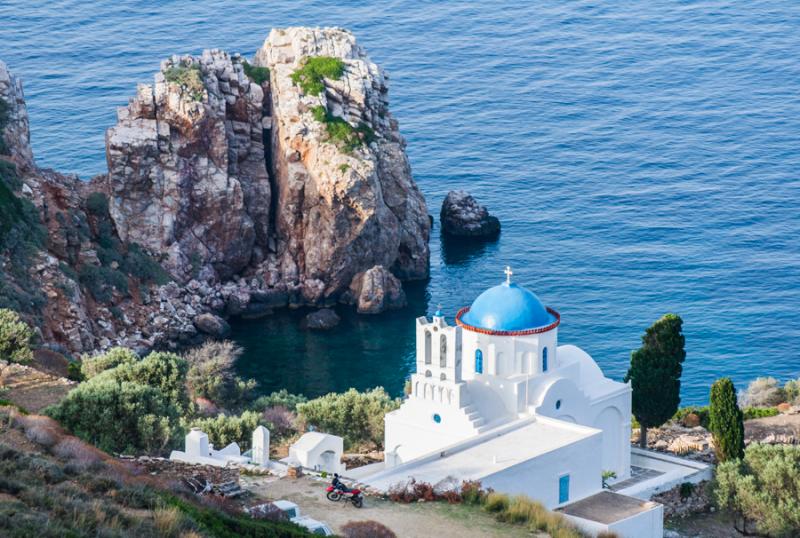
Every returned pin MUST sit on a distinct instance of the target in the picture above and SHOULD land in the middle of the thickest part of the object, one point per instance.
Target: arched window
(442, 376)
(544, 360)
(478, 361)
(427, 347)
(442, 351)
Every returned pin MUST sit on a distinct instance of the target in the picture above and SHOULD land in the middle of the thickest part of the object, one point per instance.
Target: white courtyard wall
(538, 478)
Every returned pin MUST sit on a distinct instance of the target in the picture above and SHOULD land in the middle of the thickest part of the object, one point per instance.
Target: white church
(495, 398)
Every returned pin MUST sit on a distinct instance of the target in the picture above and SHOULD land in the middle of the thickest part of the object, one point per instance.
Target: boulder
(376, 290)
(212, 325)
(462, 216)
(321, 320)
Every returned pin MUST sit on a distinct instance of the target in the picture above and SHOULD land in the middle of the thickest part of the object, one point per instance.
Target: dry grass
(168, 521)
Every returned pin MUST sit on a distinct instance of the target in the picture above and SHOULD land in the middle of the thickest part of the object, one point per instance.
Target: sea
(643, 157)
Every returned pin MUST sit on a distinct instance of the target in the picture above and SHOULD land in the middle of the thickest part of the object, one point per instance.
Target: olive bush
(16, 337)
(762, 490)
(355, 416)
(91, 366)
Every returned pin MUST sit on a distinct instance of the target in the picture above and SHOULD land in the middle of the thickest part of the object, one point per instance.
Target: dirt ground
(783, 424)
(440, 520)
(31, 389)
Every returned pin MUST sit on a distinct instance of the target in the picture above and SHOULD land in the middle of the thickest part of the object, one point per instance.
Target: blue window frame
(478, 361)
(563, 489)
(544, 360)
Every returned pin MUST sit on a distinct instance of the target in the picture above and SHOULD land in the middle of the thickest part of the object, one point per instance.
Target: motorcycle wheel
(358, 502)
(334, 496)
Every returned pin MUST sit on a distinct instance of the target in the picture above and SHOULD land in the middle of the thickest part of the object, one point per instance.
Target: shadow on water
(461, 251)
(362, 352)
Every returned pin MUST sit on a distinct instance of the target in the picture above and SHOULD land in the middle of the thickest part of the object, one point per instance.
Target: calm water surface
(643, 158)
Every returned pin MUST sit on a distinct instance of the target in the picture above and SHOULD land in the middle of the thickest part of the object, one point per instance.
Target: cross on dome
(508, 273)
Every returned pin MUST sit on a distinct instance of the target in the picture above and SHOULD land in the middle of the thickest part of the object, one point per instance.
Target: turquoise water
(643, 158)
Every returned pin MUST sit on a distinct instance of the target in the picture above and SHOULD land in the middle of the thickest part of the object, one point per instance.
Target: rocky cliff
(233, 188)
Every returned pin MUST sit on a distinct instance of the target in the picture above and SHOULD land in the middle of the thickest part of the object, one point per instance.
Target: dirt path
(29, 388)
(439, 520)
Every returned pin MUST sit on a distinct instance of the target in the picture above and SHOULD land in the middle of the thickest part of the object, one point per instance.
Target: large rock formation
(228, 194)
(339, 212)
(186, 170)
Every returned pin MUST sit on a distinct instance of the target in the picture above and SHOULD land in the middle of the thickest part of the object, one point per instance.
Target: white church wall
(539, 477)
(412, 431)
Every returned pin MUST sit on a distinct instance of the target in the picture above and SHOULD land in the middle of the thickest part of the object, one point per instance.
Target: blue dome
(508, 307)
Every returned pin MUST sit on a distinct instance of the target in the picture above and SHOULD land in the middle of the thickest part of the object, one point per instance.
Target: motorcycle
(339, 492)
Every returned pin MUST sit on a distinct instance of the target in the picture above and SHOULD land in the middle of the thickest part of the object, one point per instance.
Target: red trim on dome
(523, 332)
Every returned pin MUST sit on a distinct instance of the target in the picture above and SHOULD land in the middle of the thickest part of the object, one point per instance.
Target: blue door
(563, 489)
(478, 361)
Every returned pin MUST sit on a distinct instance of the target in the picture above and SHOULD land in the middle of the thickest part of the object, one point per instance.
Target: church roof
(507, 308)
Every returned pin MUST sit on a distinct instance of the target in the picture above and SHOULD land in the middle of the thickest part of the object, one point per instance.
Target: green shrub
(759, 412)
(118, 416)
(686, 489)
(102, 281)
(16, 337)
(341, 133)
(259, 75)
(188, 78)
(223, 430)
(355, 416)
(282, 398)
(91, 366)
(161, 370)
(762, 490)
(313, 70)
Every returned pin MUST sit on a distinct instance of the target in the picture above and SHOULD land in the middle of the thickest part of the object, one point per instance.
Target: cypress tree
(655, 374)
(726, 421)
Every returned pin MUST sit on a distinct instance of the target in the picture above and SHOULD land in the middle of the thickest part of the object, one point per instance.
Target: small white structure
(260, 451)
(198, 450)
(318, 451)
(495, 398)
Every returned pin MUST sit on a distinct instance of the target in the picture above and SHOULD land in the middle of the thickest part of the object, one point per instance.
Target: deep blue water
(643, 157)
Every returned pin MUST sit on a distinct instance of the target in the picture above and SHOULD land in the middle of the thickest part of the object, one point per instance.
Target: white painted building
(495, 398)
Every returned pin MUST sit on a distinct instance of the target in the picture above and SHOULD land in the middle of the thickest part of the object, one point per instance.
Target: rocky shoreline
(232, 190)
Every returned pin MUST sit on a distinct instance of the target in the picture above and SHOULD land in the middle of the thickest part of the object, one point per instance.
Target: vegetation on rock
(16, 337)
(188, 78)
(762, 490)
(726, 421)
(341, 133)
(3, 122)
(21, 238)
(655, 374)
(259, 75)
(314, 69)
